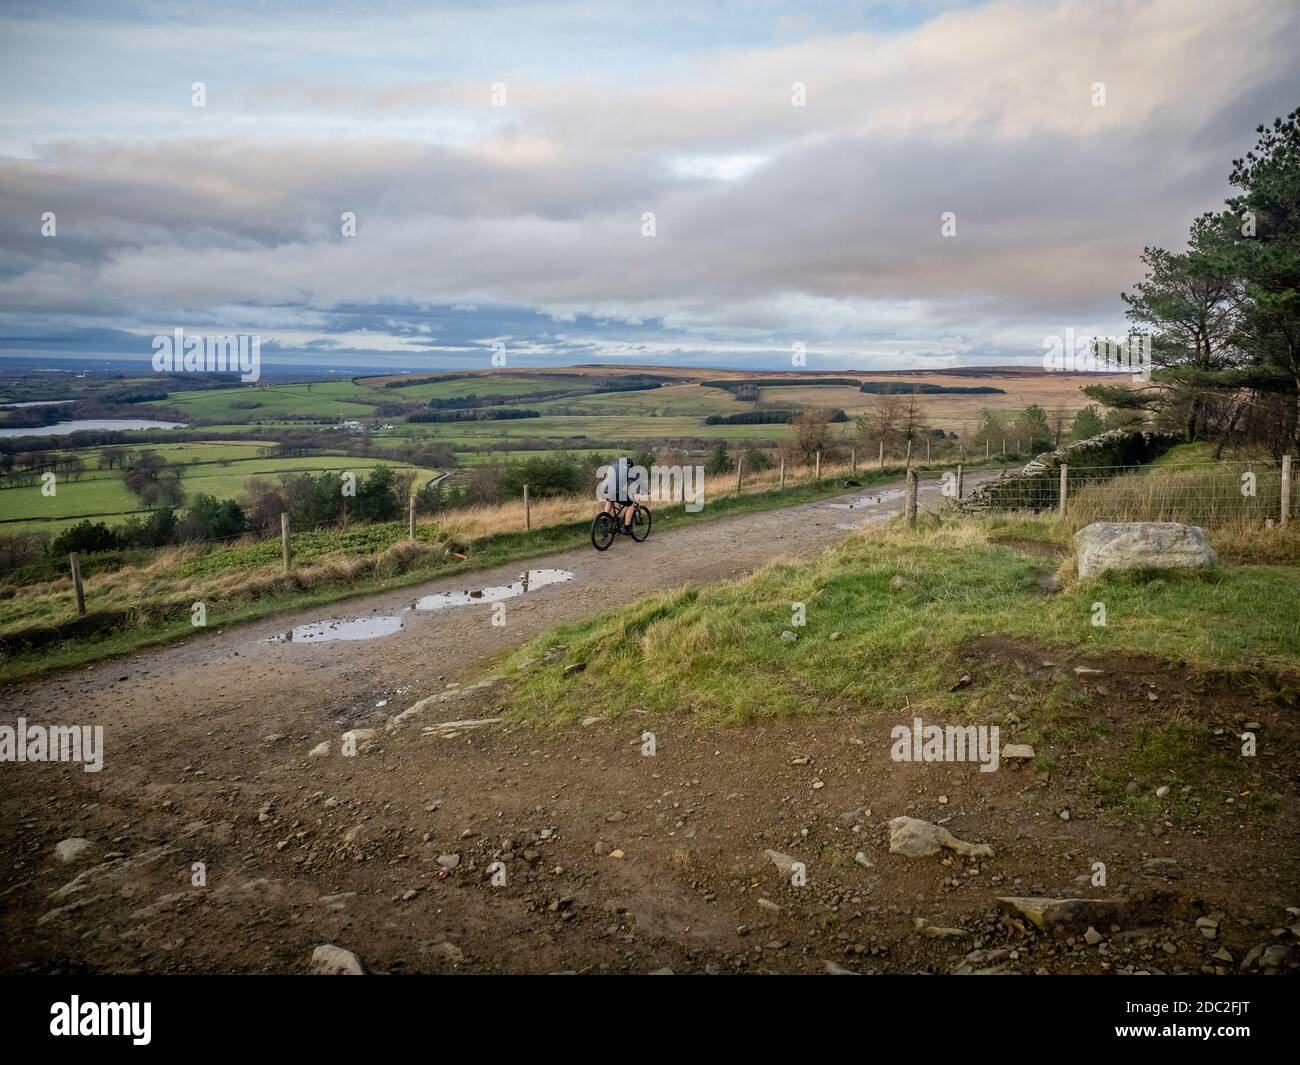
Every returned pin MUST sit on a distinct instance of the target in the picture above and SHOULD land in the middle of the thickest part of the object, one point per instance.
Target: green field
(101, 493)
(480, 458)
(258, 429)
(199, 451)
(513, 385)
(668, 401)
(598, 428)
(322, 399)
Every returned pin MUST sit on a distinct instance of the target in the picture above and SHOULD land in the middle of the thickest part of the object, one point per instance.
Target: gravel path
(297, 684)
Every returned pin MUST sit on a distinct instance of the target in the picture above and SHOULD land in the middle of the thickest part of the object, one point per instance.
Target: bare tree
(911, 426)
(880, 422)
(811, 434)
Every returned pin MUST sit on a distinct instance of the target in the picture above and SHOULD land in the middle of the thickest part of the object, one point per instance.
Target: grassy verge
(718, 652)
(884, 653)
(243, 583)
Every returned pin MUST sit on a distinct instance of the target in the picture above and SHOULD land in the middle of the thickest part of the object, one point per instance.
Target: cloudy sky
(500, 159)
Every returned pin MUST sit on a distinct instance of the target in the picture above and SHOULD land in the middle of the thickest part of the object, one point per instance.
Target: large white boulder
(71, 850)
(1113, 545)
(329, 960)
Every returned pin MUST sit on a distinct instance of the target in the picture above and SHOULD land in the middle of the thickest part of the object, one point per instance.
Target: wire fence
(1241, 492)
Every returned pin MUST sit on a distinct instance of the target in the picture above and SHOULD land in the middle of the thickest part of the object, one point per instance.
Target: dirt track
(240, 679)
(207, 762)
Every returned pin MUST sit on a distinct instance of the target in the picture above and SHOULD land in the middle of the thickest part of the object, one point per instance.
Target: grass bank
(717, 652)
(1185, 658)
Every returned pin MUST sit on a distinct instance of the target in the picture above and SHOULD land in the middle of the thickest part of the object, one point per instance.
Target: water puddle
(869, 500)
(525, 582)
(341, 629)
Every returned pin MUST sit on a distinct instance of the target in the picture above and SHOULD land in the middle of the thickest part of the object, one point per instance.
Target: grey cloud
(834, 235)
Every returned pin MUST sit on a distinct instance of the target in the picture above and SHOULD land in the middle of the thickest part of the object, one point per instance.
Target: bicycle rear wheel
(640, 524)
(603, 531)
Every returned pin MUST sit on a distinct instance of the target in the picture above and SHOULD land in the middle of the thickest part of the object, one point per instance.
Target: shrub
(86, 537)
(210, 518)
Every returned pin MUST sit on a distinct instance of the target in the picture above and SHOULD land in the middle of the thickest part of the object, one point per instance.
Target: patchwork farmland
(501, 415)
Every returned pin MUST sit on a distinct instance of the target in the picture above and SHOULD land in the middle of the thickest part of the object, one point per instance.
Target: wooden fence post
(853, 454)
(908, 461)
(74, 559)
(1004, 447)
(782, 485)
(528, 512)
(740, 465)
(927, 449)
(882, 453)
(911, 498)
(818, 475)
(284, 540)
(986, 449)
(1286, 491)
(412, 515)
(959, 482)
(1065, 481)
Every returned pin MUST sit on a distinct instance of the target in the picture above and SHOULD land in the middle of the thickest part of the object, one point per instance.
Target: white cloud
(820, 222)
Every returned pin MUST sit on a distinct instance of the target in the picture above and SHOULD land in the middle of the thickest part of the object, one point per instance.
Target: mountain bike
(604, 527)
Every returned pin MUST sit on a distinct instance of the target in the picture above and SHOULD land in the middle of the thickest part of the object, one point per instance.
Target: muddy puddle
(868, 499)
(525, 582)
(341, 629)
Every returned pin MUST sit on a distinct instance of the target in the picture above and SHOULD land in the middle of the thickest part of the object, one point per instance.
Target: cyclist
(616, 487)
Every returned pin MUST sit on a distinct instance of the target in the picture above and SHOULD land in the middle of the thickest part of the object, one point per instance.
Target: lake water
(63, 428)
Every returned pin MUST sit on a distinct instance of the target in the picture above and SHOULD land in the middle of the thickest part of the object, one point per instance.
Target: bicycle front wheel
(640, 524)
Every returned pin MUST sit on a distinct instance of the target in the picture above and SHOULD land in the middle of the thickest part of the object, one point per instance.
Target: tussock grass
(1208, 495)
